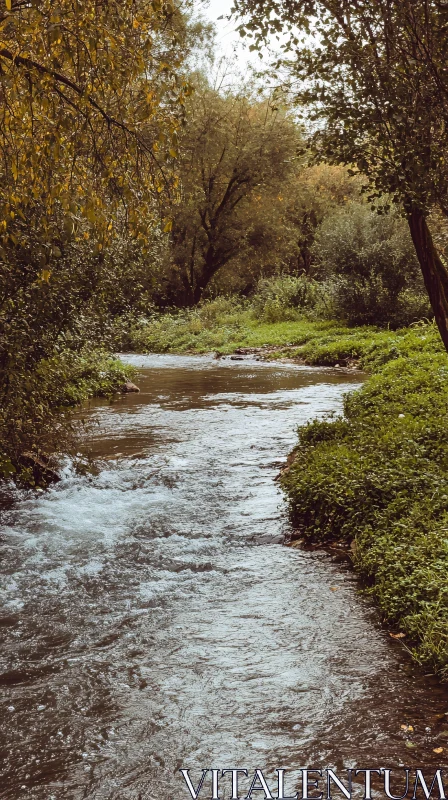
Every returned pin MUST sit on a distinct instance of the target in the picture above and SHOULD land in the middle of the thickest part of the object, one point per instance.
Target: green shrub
(370, 263)
(286, 297)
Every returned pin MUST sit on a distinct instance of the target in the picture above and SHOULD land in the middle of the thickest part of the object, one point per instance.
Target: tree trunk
(197, 293)
(211, 265)
(434, 272)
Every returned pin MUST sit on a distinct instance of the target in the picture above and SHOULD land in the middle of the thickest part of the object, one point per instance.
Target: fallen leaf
(438, 750)
(397, 635)
(334, 588)
(406, 728)
(410, 744)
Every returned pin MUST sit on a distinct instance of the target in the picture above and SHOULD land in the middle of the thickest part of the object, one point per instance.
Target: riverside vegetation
(378, 477)
(39, 416)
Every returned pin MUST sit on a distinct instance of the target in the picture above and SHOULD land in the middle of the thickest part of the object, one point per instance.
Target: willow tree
(92, 98)
(91, 95)
(373, 75)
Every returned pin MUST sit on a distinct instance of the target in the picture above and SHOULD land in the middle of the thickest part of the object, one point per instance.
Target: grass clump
(89, 374)
(216, 325)
(371, 347)
(378, 476)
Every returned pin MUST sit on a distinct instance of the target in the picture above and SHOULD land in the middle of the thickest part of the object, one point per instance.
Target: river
(153, 618)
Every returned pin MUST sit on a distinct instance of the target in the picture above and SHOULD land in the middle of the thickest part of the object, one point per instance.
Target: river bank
(374, 479)
(226, 327)
(38, 422)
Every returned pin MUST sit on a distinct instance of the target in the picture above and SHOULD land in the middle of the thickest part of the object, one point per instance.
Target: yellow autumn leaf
(168, 227)
(438, 750)
(45, 275)
(8, 5)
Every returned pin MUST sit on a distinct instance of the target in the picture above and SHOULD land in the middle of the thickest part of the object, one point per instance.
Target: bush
(58, 302)
(286, 297)
(371, 264)
(379, 476)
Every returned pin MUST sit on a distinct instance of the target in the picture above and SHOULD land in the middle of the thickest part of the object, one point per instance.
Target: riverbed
(153, 618)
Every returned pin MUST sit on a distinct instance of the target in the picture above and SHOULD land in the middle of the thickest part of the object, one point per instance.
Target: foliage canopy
(92, 98)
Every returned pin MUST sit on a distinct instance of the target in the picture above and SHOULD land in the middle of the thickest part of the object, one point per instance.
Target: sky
(229, 42)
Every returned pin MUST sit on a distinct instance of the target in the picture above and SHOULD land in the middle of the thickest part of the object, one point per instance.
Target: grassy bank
(94, 373)
(224, 326)
(38, 420)
(378, 478)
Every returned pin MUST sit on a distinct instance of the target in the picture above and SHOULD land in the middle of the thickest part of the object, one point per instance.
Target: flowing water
(152, 618)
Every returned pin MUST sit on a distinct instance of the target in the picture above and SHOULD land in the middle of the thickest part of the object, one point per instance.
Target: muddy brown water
(152, 618)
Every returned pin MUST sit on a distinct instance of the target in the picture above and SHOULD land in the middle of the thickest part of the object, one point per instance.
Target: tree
(234, 153)
(281, 226)
(373, 76)
(92, 98)
(318, 190)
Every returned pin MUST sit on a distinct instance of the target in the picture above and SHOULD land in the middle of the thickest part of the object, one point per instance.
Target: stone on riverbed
(129, 387)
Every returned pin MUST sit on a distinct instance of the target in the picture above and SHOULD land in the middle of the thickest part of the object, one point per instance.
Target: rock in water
(129, 387)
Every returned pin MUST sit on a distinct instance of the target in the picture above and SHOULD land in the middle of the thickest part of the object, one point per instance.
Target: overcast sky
(229, 42)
